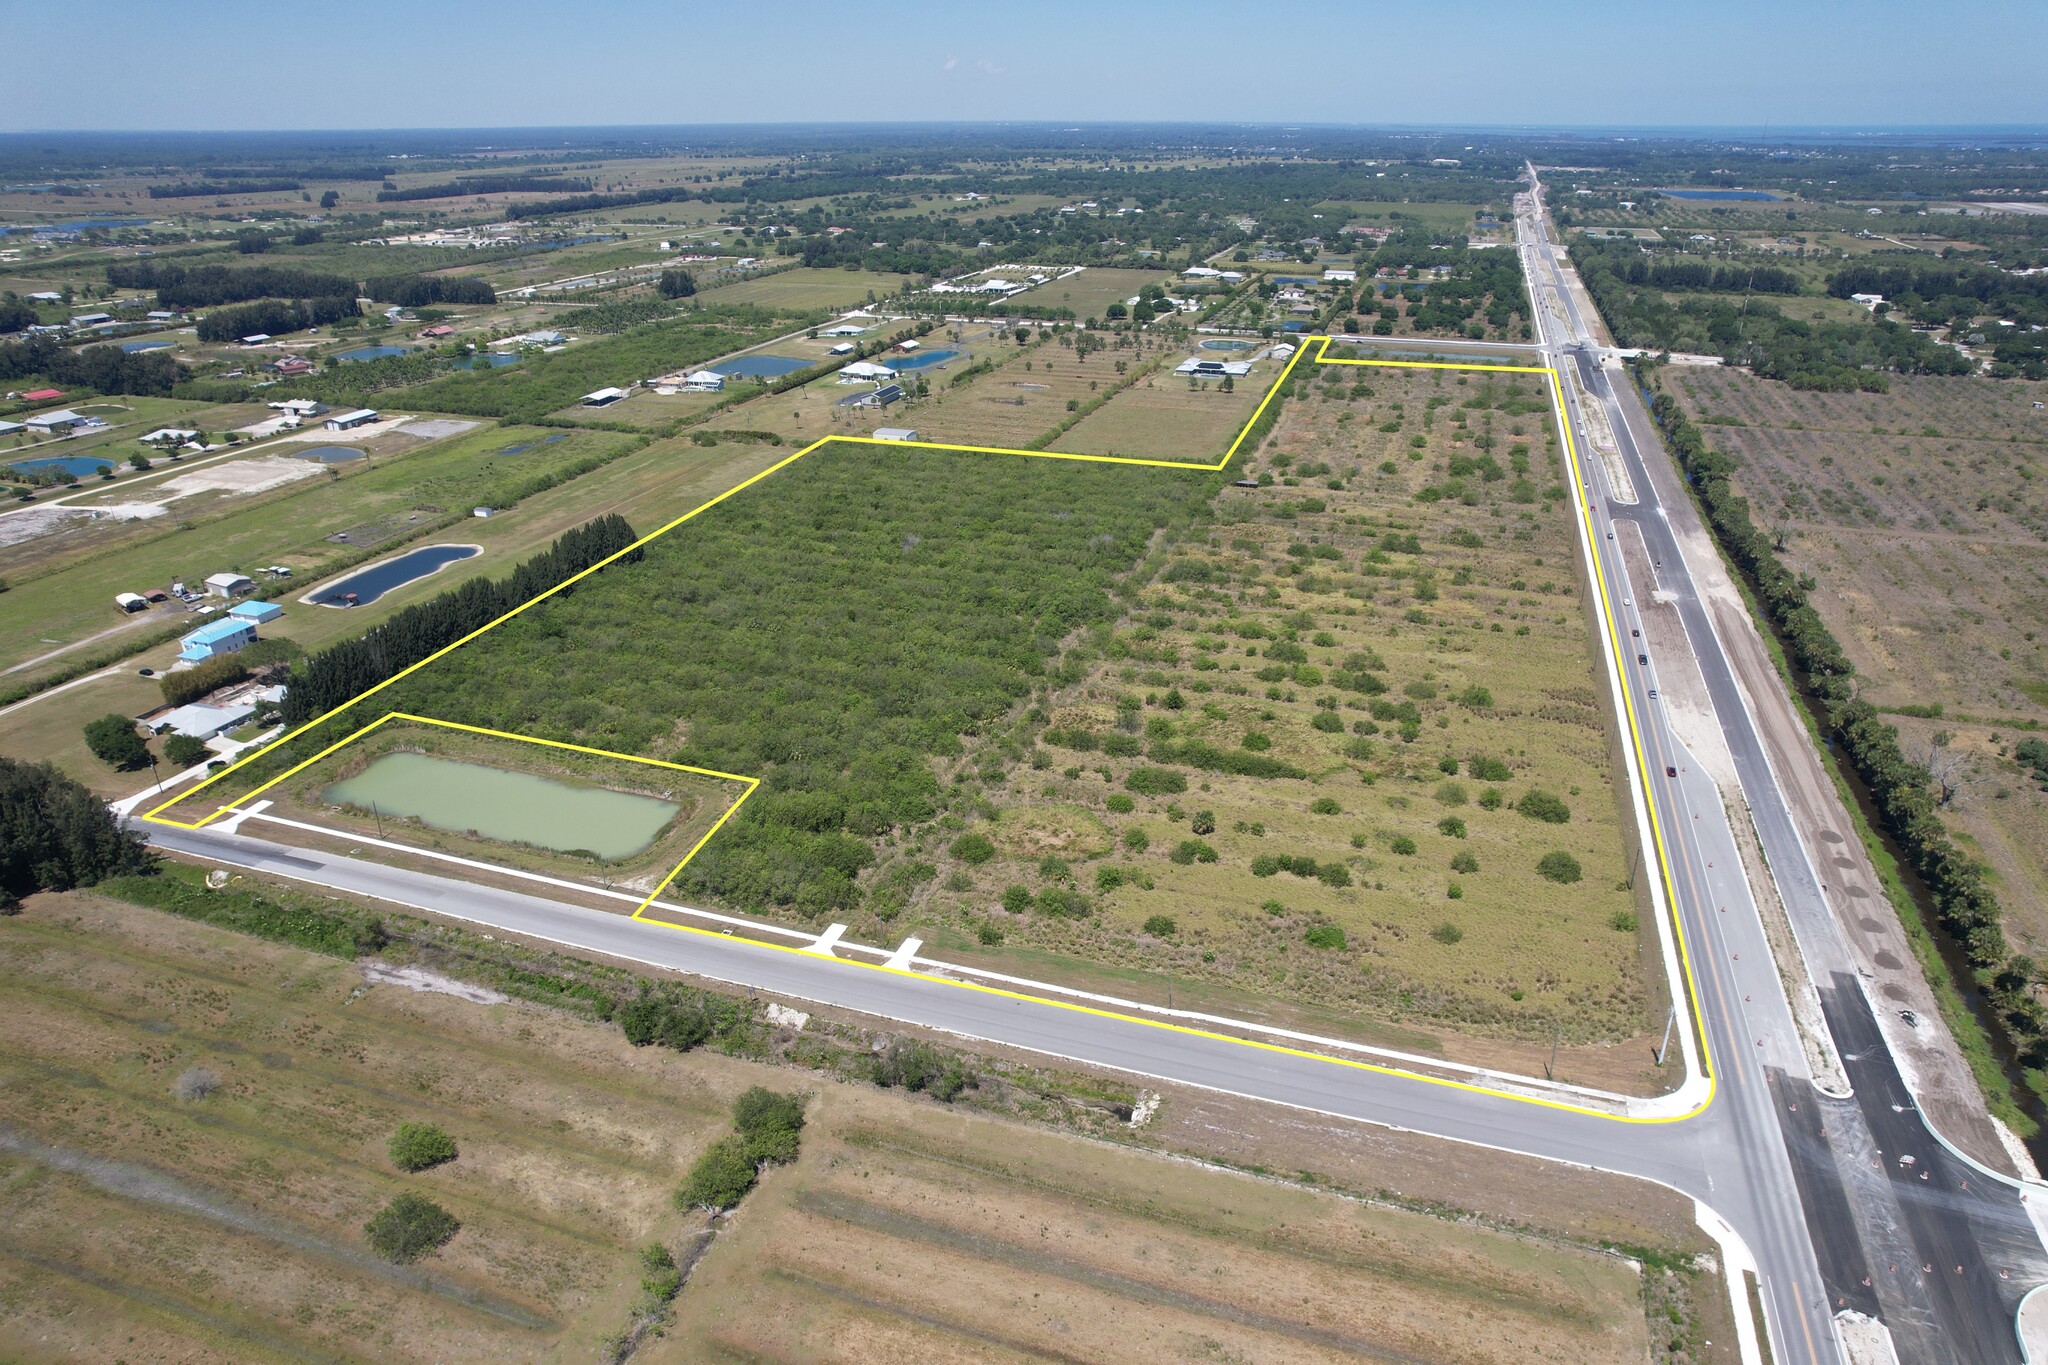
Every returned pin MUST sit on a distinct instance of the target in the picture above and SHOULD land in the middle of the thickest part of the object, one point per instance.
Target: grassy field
(802, 289)
(647, 487)
(148, 1226)
(1093, 290)
(69, 594)
(1164, 417)
(1923, 514)
(1243, 645)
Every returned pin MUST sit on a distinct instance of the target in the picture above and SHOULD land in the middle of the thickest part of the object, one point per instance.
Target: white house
(204, 722)
(843, 348)
(861, 371)
(1202, 272)
(1867, 300)
(843, 329)
(704, 381)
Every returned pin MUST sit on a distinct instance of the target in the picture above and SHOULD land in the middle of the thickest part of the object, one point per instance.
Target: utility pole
(1669, 1020)
(1550, 1067)
(378, 817)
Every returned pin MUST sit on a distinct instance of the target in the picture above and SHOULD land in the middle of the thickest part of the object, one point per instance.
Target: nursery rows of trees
(417, 291)
(203, 286)
(831, 630)
(1901, 789)
(276, 317)
(331, 677)
(1628, 262)
(107, 369)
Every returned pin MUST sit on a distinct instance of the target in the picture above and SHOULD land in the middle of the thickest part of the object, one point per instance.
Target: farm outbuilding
(229, 585)
(347, 421)
(256, 613)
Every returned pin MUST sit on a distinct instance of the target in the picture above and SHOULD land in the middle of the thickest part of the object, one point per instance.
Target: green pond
(515, 807)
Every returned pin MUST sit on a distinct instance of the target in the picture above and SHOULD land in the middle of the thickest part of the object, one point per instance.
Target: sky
(240, 64)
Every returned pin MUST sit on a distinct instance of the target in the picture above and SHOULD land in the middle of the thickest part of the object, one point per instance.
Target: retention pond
(513, 807)
(372, 583)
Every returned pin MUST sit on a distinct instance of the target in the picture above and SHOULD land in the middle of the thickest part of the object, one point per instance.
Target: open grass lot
(916, 1237)
(1164, 417)
(148, 1227)
(145, 1226)
(377, 502)
(1340, 632)
(803, 289)
(1093, 290)
(1923, 514)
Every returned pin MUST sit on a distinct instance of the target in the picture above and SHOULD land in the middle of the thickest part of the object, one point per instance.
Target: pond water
(327, 454)
(498, 804)
(79, 465)
(920, 360)
(533, 445)
(1226, 344)
(371, 353)
(131, 347)
(372, 583)
(763, 366)
(1719, 194)
(490, 360)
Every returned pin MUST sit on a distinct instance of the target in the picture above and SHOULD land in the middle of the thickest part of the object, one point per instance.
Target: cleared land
(802, 289)
(1923, 514)
(145, 1226)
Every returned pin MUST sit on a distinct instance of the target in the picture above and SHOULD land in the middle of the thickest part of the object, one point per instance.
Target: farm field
(1368, 686)
(378, 501)
(805, 289)
(1923, 515)
(148, 1224)
(647, 487)
(1165, 417)
(1093, 290)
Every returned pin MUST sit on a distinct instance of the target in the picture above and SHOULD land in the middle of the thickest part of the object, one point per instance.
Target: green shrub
(1487, 769)
(910, 1065)
(1016, 899)
(1447, 933)
(1136, 840)
(770, 1123)
(720, 1178)
(1325, 805)
(1451, 827)
(180, 889)
(410, 1227)
(678, 1017)
(418, 1146)
(1476, 697)
(1334, 874)
(1464, 862)
(1062, 903)
(1192, 851)
(972, 849)
(1108, 878)
(1324, 936)
(1160, 926)
(1491, 799)
(1623, 921)
(1538, 804)
(1203, 822)
(1257, 743)
(1403, 845)
(1119, 803)
(184, 750)
(1560, 867)
(1150, 781)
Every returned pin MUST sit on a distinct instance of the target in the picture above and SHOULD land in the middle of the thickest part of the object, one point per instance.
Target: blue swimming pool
(372, 583)
(131, 347)
(762, 366)
(327, 454)
(371, 353)
(78, 465)
(920, 360)
(1720, 194)
(1226, 344)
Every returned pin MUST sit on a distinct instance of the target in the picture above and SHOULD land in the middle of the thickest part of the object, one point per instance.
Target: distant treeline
(275, 317)
(1899, 788)
(417, 291)
(1828, 356)
(319, 170)
(1629, 263)
(106, 369)
(207, 189)
(334, 676)
(487, 184)
(202, 286)
(1949, 293)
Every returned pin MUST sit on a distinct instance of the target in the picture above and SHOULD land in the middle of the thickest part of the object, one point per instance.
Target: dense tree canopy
(56, 835)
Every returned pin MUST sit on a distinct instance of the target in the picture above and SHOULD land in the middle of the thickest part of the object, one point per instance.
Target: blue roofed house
(216, 638)
(255, 613)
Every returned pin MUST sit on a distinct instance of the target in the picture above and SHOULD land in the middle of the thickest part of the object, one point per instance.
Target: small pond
(131, 347)
(372, 583)
(1227, 344)
(920, 360)
(79, 465)
(763, 366)
(328, 454)
(533, 445)
(514, 807)
(371, 353)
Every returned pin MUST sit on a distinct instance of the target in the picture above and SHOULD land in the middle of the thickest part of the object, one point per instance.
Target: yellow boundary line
(1322, 343)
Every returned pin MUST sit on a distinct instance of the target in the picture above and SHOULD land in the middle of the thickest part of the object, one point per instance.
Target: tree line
(104, 369)
(486, 184)
(213, 189)
(56, 835)
(275, 317)
(346, 670)
(203, 286)
(1900, 789)
(1948, 292)
(1627, 262)
(417, 291)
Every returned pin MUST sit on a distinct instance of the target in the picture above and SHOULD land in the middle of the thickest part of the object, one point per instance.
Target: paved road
(1788, 1170)
(1871, 1230)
